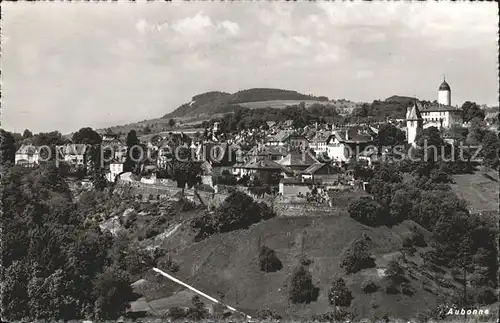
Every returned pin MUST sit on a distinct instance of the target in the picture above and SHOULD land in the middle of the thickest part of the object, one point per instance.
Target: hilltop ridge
(218, 102)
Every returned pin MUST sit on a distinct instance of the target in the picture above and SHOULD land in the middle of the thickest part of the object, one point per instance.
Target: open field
(280, 104)
(480, 190)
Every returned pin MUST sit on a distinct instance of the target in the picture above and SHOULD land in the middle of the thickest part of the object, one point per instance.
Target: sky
(70, 65)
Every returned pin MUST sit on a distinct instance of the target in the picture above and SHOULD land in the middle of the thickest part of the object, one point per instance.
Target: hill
(215, 104)
(399, 98)
(220, 102)
(226, 266)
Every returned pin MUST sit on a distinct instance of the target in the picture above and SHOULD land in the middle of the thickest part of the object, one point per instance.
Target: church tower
(444, 93)
(414, 123)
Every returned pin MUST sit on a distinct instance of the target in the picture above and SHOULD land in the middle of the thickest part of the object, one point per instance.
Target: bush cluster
(268, 260)
(302, 289)
(238, 211)
(356, 257)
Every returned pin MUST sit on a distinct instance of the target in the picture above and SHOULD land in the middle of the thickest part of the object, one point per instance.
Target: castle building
(441, 115)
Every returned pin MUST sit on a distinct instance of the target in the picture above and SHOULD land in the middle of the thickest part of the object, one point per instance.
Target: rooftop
(296, 158)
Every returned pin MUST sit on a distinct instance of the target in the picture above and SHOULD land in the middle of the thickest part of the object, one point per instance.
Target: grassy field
(480, 190)
(226, 266)
(281, 104)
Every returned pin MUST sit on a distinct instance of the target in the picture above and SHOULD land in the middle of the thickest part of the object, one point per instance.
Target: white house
(74, 154)
(319, 142)
(27, 155)
(343, 145)
(115, 168)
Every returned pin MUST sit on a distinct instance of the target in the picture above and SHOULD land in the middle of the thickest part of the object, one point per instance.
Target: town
(215, 161)
(377, 173)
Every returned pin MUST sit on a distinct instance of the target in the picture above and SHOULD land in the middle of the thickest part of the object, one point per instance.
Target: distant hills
(214, 104)
(221, 102)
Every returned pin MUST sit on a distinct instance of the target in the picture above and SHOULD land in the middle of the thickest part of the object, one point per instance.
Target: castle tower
(444, 93)
(414, 123)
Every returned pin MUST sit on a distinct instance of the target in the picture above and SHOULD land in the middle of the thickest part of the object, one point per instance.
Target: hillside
(215, 104)
(220, 102)
(227, 265)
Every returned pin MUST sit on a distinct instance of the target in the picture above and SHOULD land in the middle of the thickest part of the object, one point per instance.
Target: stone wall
(305, 210)
(283, 206)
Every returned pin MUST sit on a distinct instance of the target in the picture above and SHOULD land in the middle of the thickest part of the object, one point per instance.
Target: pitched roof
(263, 163)
(321, 136)
(316, 167)
(414, 112)
(27, 149)
(440, 107)
(73, 149)
(281, 136)
(353, 135)
(267, 151)
(298, 159)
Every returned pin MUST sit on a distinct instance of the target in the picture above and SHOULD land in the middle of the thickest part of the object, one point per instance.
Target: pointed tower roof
(414, 112)
(444, 86)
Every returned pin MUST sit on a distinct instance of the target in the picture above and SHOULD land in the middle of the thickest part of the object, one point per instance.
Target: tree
(477, 131)
(471, 110)
(198, 312)
(395, 271)
(367, 211)
(171, 123)
(113, 293)
(7, 148)
(430, 142)
(268, 260)
(98, 179)
(86, 136)
(52, 256)
(146, 130)
(389, 136)
(27, 134)
(490, 149)
(356, 256)
(339, 294)
(302, 289)
(133, 154)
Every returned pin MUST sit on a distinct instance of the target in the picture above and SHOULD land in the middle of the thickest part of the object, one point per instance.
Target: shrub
(304, 261)
(408, 247)
(265, 211)
(130, 219)
(356, 257)
(186, 205)
(418, 239)
(238, 211)
(369, 286)
(199, 311)
(339, 294)
(268, 314)
(483, 296)
(151, 231)
(268, 260)
(177, 313)
(302, 289)
(339, 315)
(392, 289)
(394, 271)
(169, 265)
(406, 289)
